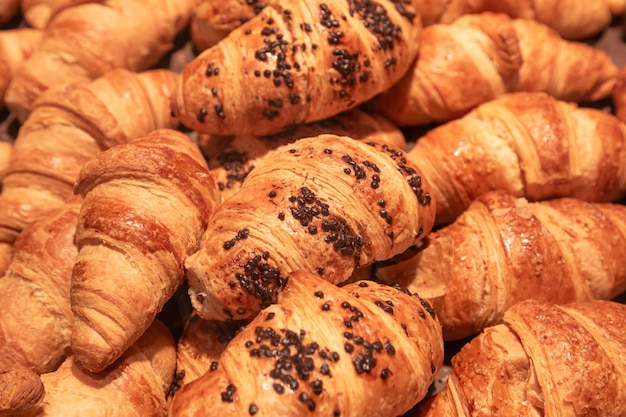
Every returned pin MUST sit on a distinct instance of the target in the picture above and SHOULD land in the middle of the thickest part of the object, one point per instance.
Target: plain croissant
(231, 158)
(618, 95)
(528, 144)
(328, 204)
(35, 318)
(297, 62)
(16, 45)
(69, 126)
(364, 349)
(20, 389)
(573, 19)
(135, 385)
(146, 205)
(543, 360)
(481, 57)
(503, 249)
(38, 13)
(85, 42)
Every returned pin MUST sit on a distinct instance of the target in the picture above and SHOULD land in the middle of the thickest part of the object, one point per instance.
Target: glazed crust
(479, 58)
(327, 204)
(300, 62)
(543, 360)
(502, 250)
(528, 144)
(364, 349)
(78, 121)
(146, 205)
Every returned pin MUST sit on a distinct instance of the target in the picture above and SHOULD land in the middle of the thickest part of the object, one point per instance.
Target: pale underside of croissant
(481, 57)
(297, 62)
(502, 250)
(86, 41)
(16, 45)
(361, 350)
(146, 205)
(69, 126)
(135, 385)
(231, 158)
(544, 360)
(35, 318)
(573, 19)
(328, 205)
(528, 144)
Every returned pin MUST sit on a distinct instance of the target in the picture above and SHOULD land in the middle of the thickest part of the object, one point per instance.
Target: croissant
(573, 19)
(35, 319)
(77, 122)
(135, 385)
(231, 158)
(8, 9)
(299, 62)
(327, 204)
(361, 350)
(543, 360)
(86, 41)
(16, 45)
(502, 250)
(199, 347)
(146, 204)
(38, 13)
(528, 144)
(20, 389)
(481, 57)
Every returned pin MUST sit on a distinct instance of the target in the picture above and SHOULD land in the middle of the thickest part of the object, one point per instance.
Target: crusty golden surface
(146, 204)
(502, 250)
(86, 41)
(362, 350)
(35, 318)
(544, 360)
(480, 57)
(70, 125)
(327, 204)
(231, 158)
(20, 389)
(528, 144)
(134, 386)
(38, 13)
(297, 62)
(573, 19)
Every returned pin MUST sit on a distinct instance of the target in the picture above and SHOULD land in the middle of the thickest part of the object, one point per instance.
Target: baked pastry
(365, 349)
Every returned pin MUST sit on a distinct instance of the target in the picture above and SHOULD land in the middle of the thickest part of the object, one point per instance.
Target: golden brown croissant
(20, 389)
(481, 57)
(6, 148)
(297, 62)
(146, 205)
(35, 318)
(543, 360)
(528, 144)
(200, 345)
(38, 13)
(503, 249)
(86, 41)
(365, 349)
(231, 158)
(618, 95)
(16, 45)
(327, 204)
(135, 385)
(573, 19)
(72, 124)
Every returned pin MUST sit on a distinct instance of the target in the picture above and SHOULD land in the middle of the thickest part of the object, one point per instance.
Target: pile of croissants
(326, 195)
